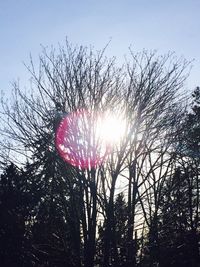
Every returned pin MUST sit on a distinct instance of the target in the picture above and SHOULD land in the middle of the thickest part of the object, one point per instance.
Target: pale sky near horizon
(171, 25)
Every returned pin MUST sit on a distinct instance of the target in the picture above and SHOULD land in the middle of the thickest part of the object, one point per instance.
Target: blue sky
(151, 24)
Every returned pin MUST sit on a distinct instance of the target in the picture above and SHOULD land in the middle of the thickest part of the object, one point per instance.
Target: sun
(85, 139)
(111, 129)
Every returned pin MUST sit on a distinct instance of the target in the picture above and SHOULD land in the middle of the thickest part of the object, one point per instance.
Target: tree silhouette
(70, 199)
(15, 210)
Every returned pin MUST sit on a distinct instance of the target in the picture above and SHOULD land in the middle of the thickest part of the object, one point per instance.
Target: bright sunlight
(111, 129)
(85, 139)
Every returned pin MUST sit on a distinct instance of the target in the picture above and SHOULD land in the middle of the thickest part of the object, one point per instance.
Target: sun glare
(85, 139)
(111, 129)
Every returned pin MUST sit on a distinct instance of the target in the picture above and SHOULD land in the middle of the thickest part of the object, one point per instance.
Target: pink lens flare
(77, 142)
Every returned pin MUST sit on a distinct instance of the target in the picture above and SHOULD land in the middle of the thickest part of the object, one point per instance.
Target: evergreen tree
(15, 209)
(178, 235)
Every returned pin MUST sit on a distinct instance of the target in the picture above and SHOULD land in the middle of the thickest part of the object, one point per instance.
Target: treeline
(140, 207)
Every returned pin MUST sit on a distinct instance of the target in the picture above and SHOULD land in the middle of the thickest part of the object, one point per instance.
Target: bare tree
(145, 91)
(151, 101)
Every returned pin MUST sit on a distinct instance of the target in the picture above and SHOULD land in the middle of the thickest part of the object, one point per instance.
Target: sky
(25, 25)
